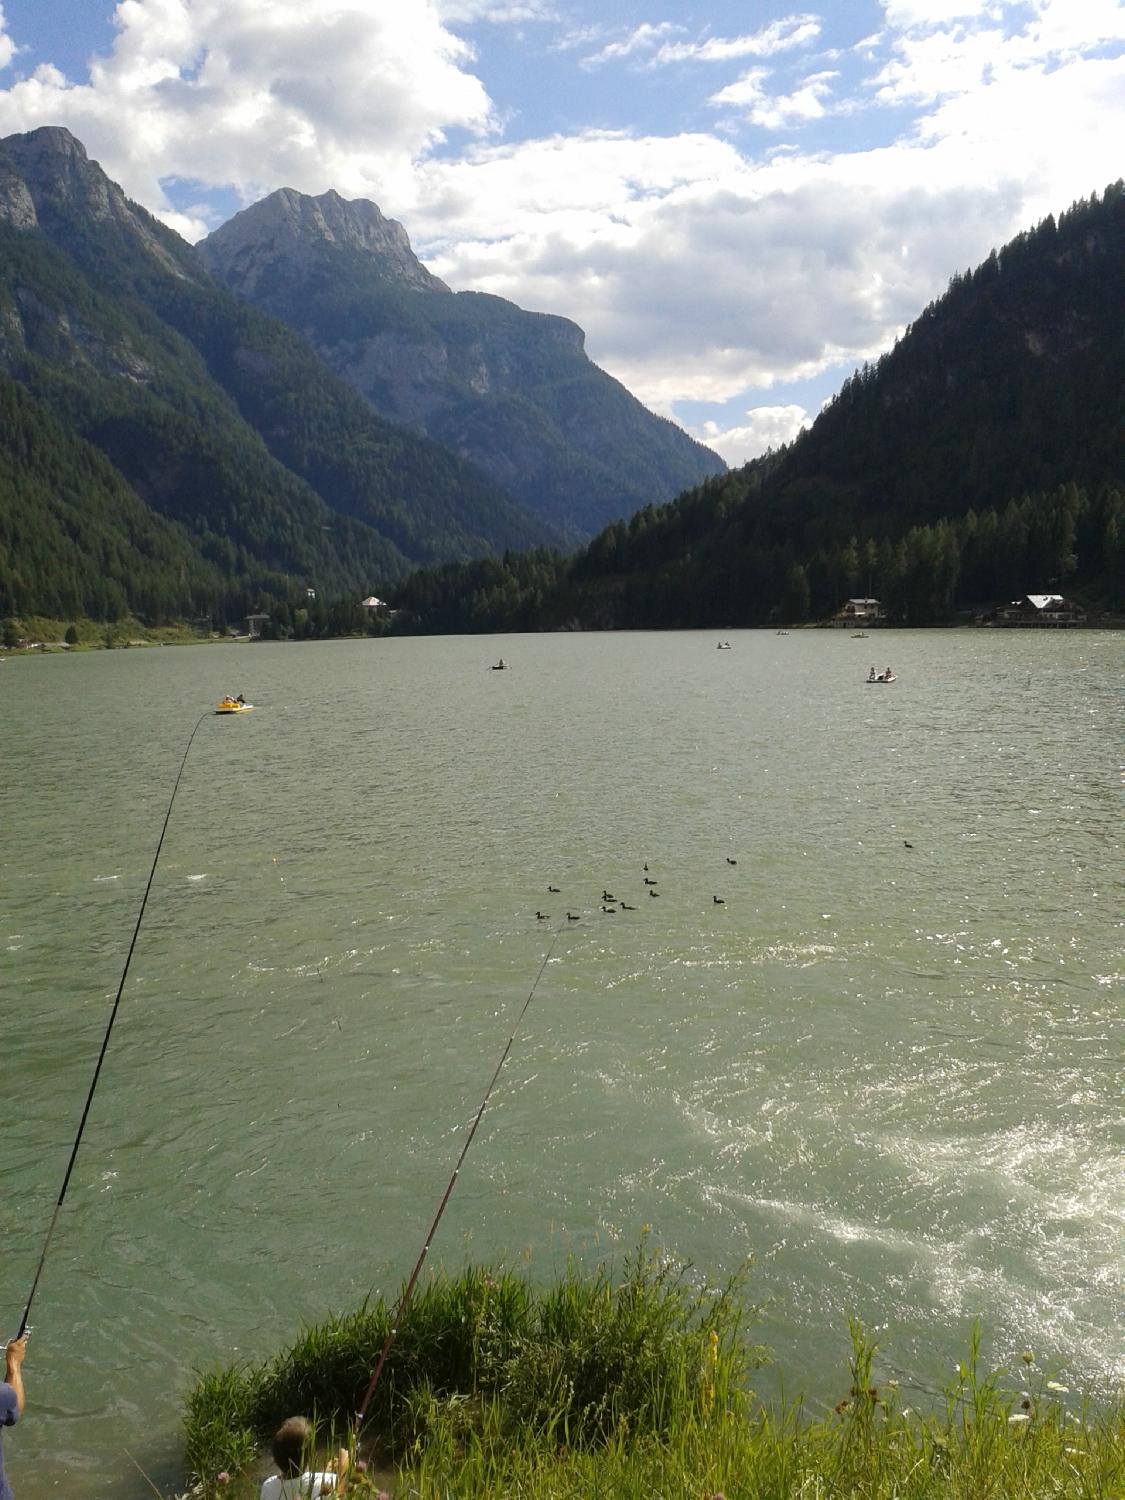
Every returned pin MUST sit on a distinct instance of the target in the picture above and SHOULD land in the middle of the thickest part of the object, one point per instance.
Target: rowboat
(232, 706)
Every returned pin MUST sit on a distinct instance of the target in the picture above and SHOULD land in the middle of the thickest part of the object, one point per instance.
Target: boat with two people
(229, 705)
(884, 676)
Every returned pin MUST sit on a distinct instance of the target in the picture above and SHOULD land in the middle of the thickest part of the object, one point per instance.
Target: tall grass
(635, 1387)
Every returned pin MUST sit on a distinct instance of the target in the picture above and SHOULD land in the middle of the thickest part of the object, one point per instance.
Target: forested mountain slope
(511, 390)
(212, 414)
(983, 457)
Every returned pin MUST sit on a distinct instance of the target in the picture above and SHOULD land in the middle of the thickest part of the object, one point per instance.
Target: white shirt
(306, 1487)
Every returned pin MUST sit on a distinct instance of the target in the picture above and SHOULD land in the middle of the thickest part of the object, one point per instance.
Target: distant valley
(296, 415)
(170, 450)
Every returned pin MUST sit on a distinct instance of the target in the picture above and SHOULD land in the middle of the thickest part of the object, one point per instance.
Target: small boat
(860, 635)
(722, 646)
(882, 677)
(232, 706)
(500, 666)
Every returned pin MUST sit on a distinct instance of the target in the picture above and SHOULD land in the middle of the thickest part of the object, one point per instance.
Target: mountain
(196, 428)
(982, 458)
(512, 391)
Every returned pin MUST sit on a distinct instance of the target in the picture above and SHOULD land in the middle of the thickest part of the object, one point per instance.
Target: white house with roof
(860, 612)
(1044, 610)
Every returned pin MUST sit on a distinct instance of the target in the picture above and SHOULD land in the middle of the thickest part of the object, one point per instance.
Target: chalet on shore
(1042, 611)
(860, 612)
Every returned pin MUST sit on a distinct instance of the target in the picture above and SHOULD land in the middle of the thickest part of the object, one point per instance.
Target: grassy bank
(636, 1388)
(40, 633)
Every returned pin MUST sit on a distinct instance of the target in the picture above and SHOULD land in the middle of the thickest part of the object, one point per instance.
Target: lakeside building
(860, 612)
(1044, 611)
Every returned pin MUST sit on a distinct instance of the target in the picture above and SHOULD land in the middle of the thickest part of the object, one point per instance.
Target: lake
(887, 1065)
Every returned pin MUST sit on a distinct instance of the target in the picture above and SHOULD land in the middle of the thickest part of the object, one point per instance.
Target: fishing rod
(105, 1039)
(408, 1292)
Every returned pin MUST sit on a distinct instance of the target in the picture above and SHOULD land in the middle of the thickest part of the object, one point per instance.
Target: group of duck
(611, 904)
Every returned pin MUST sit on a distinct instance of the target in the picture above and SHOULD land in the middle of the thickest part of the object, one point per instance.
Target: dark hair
(289, 1444)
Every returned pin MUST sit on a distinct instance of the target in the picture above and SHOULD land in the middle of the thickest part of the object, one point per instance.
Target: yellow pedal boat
(232, 706)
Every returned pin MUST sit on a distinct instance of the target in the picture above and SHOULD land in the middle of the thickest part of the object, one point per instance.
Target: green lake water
(891, 1074)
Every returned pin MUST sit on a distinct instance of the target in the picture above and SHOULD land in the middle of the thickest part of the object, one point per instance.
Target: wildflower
(1019, 1416)
(1053, 1385)
(1028, 1357)
(361, 1466)
(222, 1477)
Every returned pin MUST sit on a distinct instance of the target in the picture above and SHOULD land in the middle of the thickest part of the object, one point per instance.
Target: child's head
(290, 1444)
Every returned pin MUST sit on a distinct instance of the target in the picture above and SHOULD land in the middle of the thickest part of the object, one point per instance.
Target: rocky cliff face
(509, 390)
(287, 233)
(203, 408)
(55, 174)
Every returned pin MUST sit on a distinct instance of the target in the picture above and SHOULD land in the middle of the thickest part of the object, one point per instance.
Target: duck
(554, 890)
(719, 900)
(654, 893)
(610, 910)
(570, 917)
(626, 907)
(731, 861)
(607, 897)
(649, 882)
(542, 916)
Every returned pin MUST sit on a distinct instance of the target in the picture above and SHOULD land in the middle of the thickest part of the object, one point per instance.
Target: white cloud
(255, 94)
(766, 427)
(698, 273)
(932, 12)
(495, 12)
(776, 112)
(936, 63)
(778, 36)
(643, 39)
(8, 48)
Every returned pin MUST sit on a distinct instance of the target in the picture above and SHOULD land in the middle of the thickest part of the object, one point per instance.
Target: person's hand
(15, 1351)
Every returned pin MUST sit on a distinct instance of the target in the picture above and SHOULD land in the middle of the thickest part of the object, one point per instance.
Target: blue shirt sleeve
(9, 1406)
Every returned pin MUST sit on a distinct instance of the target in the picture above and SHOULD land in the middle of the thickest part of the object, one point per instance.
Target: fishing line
(404, 1300)
(105, 1039)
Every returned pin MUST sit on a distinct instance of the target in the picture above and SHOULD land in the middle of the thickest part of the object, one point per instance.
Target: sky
(738, 202)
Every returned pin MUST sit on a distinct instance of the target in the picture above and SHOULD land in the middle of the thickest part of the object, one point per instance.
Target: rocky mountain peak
(54, 164)
(54, 176)
(294, 231)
